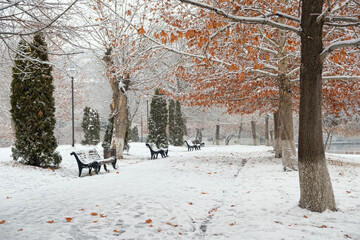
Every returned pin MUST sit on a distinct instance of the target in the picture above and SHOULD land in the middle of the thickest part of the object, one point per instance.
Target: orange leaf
(2, 221)
(82, 209)
(159, 230)
(180, 233)
(305, 216)
(95, 221)
(117, 172)
(232, 224)
(116, 231)
(141, 31)
(51, 221)
(148, 221)
(151, 225)
(94, 214)
(20, 230)
(190, 203)
(203, 193)
(7, 197)
(103, 216)
(68, 219)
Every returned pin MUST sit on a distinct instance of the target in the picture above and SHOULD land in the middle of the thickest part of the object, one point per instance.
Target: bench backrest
(189, 143)
(88, 156)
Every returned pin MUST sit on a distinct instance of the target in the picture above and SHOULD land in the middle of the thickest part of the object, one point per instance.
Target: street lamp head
(72, 72)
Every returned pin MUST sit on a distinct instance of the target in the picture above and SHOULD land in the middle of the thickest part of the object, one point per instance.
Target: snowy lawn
(224, 192)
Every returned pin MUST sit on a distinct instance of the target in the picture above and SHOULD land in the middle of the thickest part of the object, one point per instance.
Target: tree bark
(277, 133)
(198, 135)
(217, 135)
(316, 192)
(288, 148)
(253, 130)
(119, 108)
(267, 141)
(289, 159)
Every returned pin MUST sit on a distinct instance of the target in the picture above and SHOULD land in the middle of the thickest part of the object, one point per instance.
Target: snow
(218, 192)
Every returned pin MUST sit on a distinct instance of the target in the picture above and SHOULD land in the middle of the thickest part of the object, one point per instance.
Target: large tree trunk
(277, 133)
(121, 122)
(253, 130)
(316, 193)
(118, 105)
(217, 135)
(267, 141)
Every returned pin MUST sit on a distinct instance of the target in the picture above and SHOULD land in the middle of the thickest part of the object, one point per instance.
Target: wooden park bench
(92, 160)
(155, 152)
(191, 146)
(201, 144)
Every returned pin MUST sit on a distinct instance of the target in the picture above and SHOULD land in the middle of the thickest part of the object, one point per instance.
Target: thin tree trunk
(316, 192)
(288, 148)
(267, 142)
(217, 135)
(253, 130)
(272, 137)
(239, 133)
(277, 133)
(328, 133)
(330, 142)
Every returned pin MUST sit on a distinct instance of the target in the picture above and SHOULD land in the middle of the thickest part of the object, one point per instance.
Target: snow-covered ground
(224, 192)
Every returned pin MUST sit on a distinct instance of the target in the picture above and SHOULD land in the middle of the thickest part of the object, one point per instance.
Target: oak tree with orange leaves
(327, 33)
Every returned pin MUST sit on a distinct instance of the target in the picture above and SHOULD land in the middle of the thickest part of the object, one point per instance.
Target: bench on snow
(155, 151)
(91, 159)
(191, 146)
(199, 143)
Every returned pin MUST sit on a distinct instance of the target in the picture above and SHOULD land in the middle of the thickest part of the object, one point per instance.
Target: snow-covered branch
(248, 20)
(337, 45)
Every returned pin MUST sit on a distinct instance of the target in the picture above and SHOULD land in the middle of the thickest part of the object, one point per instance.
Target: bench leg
(104, 167)
(114, 165)
(89, 170)
(80, 170)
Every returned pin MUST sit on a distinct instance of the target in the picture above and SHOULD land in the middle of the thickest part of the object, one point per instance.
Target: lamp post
(72, 72)
(72, 111)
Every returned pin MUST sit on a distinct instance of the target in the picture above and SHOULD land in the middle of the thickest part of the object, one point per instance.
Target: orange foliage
(240, 66)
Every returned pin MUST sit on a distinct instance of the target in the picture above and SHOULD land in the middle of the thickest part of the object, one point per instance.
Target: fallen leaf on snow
(68, 219)
(117, 172)
(232, 224)
(2, 221)
(278, 222)
(190, 203)
(116, 231)
(103, 216)
(305, 216)
(7, 197)
(51, 221)
(159, 230)
(148, 221)
(95, 221)
(93, 214)
(203, 193)
(348, 191)
(173, 225)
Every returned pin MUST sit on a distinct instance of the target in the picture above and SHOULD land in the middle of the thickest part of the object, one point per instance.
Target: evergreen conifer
(33, 105)
(172, 122)
(178, 125)
(158, 121)
(91, 126)
(135, 134)
(108, 134)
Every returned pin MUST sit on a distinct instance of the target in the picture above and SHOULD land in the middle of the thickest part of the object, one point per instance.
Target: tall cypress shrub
(172, 122)
(178, 125)
(135, 134)
(108, 134)
(158, 121)
(33, 105)
(91, 126)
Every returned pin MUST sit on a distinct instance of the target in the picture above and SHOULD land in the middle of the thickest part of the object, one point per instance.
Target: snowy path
(190, 195)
